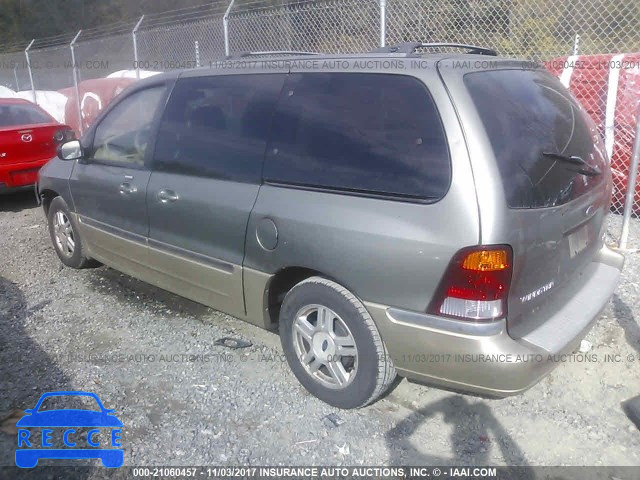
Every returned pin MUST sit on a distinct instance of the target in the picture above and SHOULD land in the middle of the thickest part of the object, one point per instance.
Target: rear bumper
(484, 358)
(18, 175)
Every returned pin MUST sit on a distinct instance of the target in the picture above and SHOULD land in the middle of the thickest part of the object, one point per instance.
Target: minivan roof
(266, 60)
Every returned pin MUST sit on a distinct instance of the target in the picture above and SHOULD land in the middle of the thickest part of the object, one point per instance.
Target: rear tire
(333, 346)
(65, 236)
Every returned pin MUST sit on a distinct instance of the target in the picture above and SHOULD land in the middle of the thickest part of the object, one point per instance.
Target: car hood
(69, 418)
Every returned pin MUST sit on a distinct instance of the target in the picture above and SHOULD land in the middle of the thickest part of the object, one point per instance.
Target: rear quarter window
(527, 113)
(368, 133)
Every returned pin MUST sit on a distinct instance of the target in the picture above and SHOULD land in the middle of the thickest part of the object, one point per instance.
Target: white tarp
(6, 92)
(132, 74)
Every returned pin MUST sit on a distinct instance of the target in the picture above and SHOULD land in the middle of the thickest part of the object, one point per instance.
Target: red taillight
(475, 285)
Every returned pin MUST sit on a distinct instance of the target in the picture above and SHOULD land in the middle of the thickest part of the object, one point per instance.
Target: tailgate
(546, 154)
(29, 143)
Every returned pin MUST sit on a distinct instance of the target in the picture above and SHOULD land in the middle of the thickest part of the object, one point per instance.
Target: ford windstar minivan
(437, 216)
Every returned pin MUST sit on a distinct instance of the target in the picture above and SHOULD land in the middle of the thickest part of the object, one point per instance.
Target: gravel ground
(245, 407)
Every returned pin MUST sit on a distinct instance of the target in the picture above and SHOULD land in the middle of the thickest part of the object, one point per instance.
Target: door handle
(166, 196)
(127, 189)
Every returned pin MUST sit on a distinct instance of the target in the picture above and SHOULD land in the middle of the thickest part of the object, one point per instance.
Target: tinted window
(19, 114)
(218, 126)
(123, 135)
(528, 113)
(359, 132)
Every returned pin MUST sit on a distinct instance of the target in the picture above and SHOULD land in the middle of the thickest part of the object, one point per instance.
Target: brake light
(476, 284)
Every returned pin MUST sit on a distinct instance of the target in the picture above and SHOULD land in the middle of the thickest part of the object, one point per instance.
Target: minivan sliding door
(206, 175)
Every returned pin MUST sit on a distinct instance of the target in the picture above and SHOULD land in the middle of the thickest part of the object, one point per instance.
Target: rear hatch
(27, 134)
(553, 183)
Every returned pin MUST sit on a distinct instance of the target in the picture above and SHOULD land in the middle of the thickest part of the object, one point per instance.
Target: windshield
(533, 122)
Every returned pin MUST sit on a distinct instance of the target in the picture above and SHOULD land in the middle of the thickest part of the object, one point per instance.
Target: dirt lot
(223, 406)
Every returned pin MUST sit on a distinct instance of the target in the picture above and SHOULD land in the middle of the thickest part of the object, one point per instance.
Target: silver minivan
(434, 216)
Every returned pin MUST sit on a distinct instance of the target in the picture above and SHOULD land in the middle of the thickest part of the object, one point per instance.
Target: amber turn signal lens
(486, 261)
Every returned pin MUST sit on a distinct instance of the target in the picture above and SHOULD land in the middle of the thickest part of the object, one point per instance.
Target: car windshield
(65, 402)
(22, 114)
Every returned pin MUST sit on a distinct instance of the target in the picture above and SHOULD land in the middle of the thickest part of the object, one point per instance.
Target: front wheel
(332, 344)
(66, 237)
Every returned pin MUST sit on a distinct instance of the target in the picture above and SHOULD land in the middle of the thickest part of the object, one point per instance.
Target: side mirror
(70, 150)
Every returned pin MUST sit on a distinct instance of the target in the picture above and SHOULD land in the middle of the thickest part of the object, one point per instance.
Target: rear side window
(370, 133)
(528, 115)
(218, 127)
(22, 114)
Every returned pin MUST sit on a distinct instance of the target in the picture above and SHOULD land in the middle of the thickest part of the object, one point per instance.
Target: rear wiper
(587, 169)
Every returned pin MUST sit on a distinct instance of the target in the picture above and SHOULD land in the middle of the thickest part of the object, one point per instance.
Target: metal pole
(576, 44)
(197, 47)
(383, 23)
(15, 74)
(225, 25)
(289, 29)
(33, 87)
(631, 186)
(136, 61)
(75, 81)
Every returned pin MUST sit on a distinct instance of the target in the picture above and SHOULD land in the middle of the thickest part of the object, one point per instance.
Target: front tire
(65, 236)
(333, 346)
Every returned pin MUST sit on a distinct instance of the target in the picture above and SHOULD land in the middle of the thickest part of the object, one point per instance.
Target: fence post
(631, 187)
(15, 75)
(383, 23)
(225, 26)
(576, 44)
(72, 46)
(136, 60)
(33, 87)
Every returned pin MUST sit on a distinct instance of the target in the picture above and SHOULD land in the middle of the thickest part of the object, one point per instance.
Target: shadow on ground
(626, 319)
(475, 433)
(624, 316)
(144, 296)
(26, 372)
(16, 202)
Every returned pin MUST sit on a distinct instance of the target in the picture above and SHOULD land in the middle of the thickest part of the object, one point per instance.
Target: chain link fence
(102, 56)
(338, 26)
(14, 73)
(51, 66)
(194, 38)
(593, 46)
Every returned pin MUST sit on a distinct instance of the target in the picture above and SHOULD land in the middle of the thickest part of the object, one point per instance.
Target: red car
(29, 138)
(95, 96)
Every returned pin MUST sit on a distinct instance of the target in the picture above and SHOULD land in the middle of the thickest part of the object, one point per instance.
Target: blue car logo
(60, 437)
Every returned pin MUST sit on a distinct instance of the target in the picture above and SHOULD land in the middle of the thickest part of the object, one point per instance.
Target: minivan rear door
(207, 171)
(542, 178)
